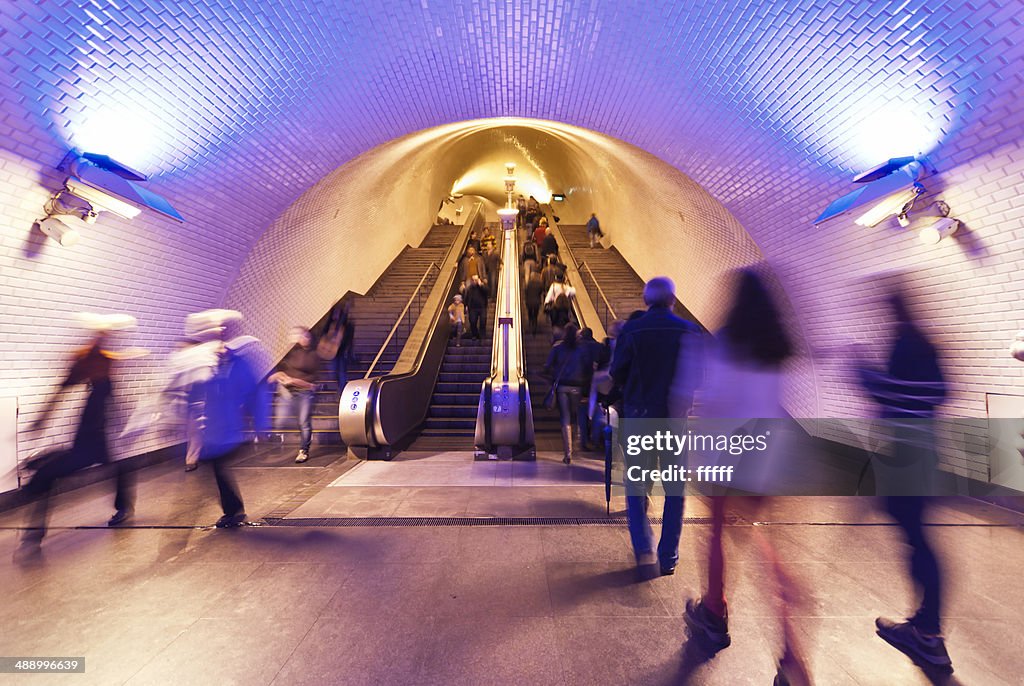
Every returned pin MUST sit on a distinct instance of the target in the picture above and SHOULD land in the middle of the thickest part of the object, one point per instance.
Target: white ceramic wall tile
(238, 109)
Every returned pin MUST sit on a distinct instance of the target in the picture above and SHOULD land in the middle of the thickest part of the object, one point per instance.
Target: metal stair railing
(604, 308)
(406, 319)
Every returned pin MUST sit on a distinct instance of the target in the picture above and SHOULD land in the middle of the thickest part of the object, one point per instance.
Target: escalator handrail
(509, 295)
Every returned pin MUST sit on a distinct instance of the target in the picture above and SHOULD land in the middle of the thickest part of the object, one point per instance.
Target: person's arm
(280, 374)
(549, 365)
(622, 359)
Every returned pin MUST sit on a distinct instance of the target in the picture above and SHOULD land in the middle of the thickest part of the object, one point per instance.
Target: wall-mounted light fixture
(939, 229)
(59, 231)
(100, 200)
(898, 204)
(110, 186)
(886, 189)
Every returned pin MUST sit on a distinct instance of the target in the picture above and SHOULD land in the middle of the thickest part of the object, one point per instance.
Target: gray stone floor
(168, 600)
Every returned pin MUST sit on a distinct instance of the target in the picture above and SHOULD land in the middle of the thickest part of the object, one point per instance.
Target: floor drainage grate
(462, 521)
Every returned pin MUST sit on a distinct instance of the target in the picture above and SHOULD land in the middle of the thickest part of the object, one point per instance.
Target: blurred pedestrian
(549, 246)
(742, 389)
(539, 231)
(472, 265)
(558, 305)
(908, 393)
(602, 385)
(644, 366)
(492, 263)
(296, 379)
(529, 259)
(533, 295)
(594, 233)
(476, 307)
(234, 392)
(595, 353)
(457, 319)
(337, 343)
(91, 366)
(488, 242)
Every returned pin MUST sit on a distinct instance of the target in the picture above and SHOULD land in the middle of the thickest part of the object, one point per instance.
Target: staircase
(373, 315)
(451, 420)
(621, 285)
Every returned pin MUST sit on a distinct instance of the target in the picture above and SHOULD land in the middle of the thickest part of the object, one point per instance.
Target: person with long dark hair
(743, 386)
(336, 343)
(92, 366)
(569, 366)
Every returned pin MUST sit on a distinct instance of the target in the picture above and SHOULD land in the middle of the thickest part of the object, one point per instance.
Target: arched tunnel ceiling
(237, 109)
(636, 194)
(284, 92)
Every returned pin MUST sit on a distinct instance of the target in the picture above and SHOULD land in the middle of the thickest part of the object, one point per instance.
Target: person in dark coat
(550, 273)
(569, 367)
(521, 209)
(492, 262)
(644, 366)
(92, 366)
(596, 352)
(549, 246)
(341, 330)
(534, 297)
(528, 261)
(594, 233)
(908, 393)
(476, 307)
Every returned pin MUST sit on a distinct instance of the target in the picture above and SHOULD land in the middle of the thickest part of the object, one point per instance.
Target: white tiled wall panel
(238, 109)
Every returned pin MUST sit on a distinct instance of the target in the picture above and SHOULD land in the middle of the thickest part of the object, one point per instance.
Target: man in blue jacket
(236, 390)
(644, 366)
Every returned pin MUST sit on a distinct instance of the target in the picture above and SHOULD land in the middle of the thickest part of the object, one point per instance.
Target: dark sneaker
(119, 517)
(906, 637)
(704, 623)
(668, 570)
(230, 521)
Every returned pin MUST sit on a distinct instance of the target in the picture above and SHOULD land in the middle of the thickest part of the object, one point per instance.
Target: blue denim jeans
(640, 531)
(299, 403)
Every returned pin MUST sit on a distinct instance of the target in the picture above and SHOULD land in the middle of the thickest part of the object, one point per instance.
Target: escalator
(439, 397)
(426, 400)
(374, 315)
(451, 419)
